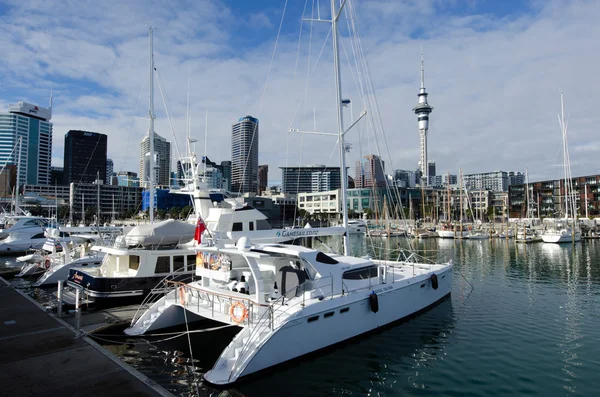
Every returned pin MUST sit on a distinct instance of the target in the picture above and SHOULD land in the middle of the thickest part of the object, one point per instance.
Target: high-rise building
(162, 163)
(300, 179)
(263, 178)
(370, 173)
(110, 170)
(32, 125)
(85, 156)
(422, 111)
(244, 155)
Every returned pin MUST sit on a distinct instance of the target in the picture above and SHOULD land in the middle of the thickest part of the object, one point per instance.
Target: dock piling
(60, 298)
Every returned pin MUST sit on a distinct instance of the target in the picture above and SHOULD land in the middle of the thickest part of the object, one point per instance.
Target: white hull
(451, 233)
(60, 272)
(561, 237)
(296, 336)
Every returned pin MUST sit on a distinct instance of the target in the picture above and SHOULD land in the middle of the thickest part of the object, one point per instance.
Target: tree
(185, 212)
(369, 213)
(174, 212)
(160, 214)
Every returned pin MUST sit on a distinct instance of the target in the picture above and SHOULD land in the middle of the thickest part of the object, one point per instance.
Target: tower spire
(422, 72)
(422, 111)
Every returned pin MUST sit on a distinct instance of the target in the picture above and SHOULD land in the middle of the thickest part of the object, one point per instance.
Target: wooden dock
(41, 355)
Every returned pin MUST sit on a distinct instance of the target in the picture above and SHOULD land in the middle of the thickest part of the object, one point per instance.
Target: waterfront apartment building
(84, 156)
(309, 179)
(370, 173)
(328, 202)
(244, 155)
(546, 199)
(162, 161)
(498, 181)
(30, 125)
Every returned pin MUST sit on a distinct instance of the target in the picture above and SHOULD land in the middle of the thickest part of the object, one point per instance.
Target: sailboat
(526, 233)
(561, 232)
(291, 300)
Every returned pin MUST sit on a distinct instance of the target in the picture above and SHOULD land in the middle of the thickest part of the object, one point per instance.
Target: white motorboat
(320, 292)
(18, 223)
(357, 226)
(478, 235)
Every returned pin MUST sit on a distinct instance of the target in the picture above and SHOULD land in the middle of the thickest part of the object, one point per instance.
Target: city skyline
(483, 62)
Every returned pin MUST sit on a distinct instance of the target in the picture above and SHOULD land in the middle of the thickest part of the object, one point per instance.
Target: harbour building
(311, 178)
(30, 124)
(85, 156)
(162, 160)
(244, 155)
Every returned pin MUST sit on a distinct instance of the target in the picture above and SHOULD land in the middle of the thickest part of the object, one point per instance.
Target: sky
(494, 71)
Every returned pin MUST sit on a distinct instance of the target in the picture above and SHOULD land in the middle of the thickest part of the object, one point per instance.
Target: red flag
(200, 227)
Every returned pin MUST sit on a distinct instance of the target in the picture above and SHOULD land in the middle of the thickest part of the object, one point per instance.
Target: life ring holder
(238, 319)
(47, 263)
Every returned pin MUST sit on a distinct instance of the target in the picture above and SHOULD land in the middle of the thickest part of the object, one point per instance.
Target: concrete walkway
(39, 355)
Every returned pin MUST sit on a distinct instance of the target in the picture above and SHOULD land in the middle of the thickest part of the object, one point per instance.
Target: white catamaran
(291, 300)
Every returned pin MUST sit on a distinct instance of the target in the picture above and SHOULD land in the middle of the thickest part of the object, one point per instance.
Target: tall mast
(335, 13)
(151, 130)
(18, 176)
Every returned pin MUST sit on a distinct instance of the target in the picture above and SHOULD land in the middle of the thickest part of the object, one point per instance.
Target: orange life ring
(182, 295)
(47, 263)
(236, 318)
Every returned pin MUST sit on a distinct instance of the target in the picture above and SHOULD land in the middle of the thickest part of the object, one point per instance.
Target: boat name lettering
(297, 233)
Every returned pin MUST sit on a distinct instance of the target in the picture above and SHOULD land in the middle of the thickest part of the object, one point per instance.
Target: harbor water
(522, 320)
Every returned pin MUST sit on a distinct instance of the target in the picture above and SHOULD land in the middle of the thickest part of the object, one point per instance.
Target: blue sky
(494, 71)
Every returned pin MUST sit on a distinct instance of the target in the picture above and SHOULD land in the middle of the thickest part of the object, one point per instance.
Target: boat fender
(434, 281)
(374, 302)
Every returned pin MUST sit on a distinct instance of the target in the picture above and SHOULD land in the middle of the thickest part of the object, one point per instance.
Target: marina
(320, 262)
(535, 303)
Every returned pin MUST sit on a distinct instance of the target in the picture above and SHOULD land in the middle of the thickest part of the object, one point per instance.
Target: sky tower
(422, 111)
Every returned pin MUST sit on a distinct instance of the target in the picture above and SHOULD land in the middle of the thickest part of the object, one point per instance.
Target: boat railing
(268, 320)
(162, 288)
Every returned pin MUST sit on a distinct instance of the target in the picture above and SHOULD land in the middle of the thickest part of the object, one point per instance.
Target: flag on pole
(200, 227)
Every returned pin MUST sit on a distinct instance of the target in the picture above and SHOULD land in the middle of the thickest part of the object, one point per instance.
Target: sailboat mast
(564, 137)
(340, 123)
(151, 130)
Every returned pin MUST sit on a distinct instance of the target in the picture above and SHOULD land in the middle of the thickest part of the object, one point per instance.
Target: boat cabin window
(134, 262)
(39, 235)
(178, 263)
(191, 262)
(262, 224)
(360, 274)
(163, 264)
(251, 226)
(323, 258)
(237, 227)
(32, 222)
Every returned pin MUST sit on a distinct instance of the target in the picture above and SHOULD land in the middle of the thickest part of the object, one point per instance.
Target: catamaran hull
(303, 334)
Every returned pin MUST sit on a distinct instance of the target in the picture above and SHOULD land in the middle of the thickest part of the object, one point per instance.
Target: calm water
(528, 326)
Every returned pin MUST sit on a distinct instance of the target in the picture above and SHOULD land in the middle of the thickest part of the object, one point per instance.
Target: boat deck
(40, 355)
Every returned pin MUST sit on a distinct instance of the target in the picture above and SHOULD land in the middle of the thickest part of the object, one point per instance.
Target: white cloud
(494, 81)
